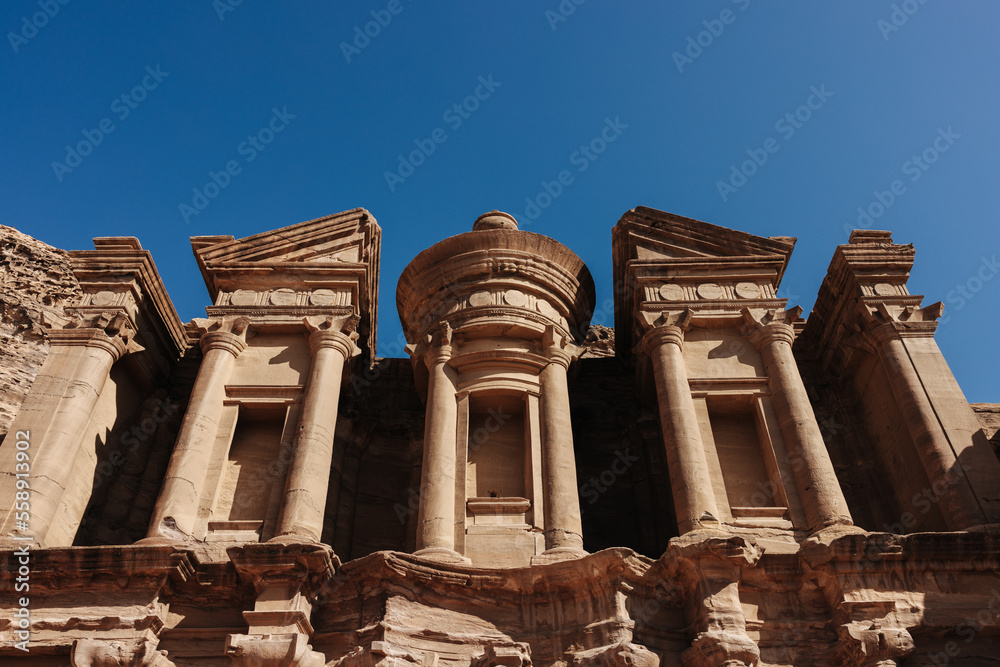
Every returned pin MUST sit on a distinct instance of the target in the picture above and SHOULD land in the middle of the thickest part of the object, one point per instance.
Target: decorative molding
(118, 653)
(273, 650)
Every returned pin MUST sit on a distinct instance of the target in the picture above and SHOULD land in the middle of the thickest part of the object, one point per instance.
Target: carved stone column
(437, 517)
(177, 506)
(822, 498)
(59, 411)
(563, 525)
(689, 478)
(309, 475)
(709, 567)
(944, 470)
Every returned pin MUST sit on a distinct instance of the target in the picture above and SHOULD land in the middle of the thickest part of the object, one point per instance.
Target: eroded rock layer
(35, 280)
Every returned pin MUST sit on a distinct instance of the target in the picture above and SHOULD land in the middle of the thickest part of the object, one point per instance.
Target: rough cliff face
(35, 281)
(989, 417)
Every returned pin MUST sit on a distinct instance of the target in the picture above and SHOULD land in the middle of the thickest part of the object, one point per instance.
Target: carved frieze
(285, 296)
(709, 291)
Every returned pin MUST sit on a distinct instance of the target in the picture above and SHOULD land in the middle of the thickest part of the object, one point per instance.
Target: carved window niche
(499, 436)
(246, 480)
(745, 452)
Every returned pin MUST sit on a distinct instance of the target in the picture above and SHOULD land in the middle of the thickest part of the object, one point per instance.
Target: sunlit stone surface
(715, 481)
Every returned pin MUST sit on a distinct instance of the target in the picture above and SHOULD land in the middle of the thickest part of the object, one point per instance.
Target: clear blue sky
(217, 72)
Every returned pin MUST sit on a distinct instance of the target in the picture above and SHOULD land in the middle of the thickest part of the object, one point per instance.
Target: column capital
(662, 328)
(115, 345)
(224, 333)
(223, 340)
(112, 331)
(337, 333)
(883, 321)
(336, 340)
(662, 335)
(435, 347)
(557, 348)
(766, 327)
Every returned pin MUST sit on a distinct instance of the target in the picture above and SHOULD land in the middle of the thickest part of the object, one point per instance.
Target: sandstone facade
(716, 481)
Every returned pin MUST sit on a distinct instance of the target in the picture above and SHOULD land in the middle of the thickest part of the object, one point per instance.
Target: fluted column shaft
(958, 501)
(819, 489)
(563, 525)
(436, 529)
(309, 474)
(694, 499)
(189, 463)
(78, 368)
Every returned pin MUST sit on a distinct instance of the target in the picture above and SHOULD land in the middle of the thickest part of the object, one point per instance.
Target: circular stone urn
(496, 281)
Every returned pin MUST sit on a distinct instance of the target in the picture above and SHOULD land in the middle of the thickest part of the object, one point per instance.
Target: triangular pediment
(335, 254)
(656, 250)
(342, 238)
(647, 234)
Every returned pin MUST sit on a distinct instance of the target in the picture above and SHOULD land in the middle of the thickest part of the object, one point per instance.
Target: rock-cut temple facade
(716, 481)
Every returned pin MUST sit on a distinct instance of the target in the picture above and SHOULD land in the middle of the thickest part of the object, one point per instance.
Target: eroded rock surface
(35, 281)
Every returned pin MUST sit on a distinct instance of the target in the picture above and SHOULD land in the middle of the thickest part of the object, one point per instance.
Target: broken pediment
(346, 237)
(300, 270)
(664, 262)
(647, 234)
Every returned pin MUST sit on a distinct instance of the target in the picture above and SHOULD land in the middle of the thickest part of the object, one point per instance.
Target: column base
(442, 555)
(161, 541)
(293, 538)
(557, 555)
(706, 523)
(836, 529)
